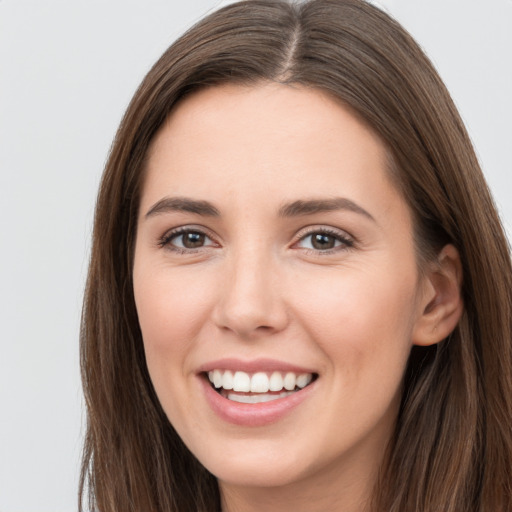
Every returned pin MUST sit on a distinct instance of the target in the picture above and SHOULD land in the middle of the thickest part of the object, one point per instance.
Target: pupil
(192, 240)
(322, 241)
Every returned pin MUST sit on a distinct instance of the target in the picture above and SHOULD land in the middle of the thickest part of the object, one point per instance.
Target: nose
(250, 296)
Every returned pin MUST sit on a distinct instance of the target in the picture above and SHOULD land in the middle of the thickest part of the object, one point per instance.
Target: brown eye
(192, 239)
(185, 239)
(322, 241)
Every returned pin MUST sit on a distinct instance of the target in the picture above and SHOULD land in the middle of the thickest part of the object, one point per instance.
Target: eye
(324, 241)
(186, 239)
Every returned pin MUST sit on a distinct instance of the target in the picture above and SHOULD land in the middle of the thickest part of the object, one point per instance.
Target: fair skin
(271, 240)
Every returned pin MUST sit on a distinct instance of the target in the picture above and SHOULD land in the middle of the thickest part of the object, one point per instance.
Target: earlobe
(442, 304)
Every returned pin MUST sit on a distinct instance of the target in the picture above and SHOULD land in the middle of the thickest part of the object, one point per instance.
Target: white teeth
(259, 382)
(289, 381)
(256, 399)
(227, 380)
(241, 382)
(276, 382)
(217, 378)
(303, 380)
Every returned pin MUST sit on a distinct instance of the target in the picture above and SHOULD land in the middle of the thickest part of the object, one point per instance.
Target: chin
(253, 463)
(265, 476)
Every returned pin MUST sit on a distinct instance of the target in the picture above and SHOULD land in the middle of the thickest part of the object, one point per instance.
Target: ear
(441, 304)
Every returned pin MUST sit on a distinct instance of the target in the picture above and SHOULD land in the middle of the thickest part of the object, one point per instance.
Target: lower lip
(253, 415)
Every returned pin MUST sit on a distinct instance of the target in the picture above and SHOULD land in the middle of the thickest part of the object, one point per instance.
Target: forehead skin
(252, 146)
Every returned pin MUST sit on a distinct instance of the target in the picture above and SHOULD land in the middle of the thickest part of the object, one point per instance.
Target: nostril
(250, 307)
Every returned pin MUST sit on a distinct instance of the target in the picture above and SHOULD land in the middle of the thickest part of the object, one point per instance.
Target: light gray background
(67, 72)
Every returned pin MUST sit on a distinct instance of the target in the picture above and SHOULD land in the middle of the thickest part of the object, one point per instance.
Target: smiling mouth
(259, 387)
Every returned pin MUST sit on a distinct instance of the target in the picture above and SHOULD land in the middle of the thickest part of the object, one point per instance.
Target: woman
(300, 293)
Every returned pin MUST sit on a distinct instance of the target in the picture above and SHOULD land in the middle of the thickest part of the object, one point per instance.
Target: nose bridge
(250, 300)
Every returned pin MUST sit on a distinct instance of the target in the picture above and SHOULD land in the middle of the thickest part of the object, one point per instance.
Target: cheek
(171, 307)
(172, 310)
(362, 320)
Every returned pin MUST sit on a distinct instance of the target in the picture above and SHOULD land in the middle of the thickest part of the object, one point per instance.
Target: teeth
(276, 382)
(217, 378)
(304, 379)
(256, 399)
(241, 382)
(259, 382)
(289, 381)
(227, 380)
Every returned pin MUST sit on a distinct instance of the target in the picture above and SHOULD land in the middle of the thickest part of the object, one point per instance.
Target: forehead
(269, 141)
(269, 112)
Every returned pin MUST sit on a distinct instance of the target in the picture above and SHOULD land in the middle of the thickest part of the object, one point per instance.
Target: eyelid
(165, 240)
(347, 240)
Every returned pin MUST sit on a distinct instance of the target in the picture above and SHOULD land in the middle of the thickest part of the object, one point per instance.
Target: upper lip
(253, 366)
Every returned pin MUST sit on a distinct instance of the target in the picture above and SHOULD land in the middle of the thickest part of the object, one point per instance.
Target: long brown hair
(452, 448)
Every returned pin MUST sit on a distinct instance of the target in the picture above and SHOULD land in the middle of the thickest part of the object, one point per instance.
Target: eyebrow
(183, 204)
(301, 207)
(312, 206)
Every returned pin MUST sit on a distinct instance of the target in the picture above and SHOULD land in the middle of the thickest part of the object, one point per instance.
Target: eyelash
(166, 240)
(346, 242)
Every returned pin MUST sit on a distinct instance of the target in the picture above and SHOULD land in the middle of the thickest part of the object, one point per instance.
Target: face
(275, 257)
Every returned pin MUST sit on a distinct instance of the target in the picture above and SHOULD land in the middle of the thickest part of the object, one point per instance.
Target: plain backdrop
(67, 72)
